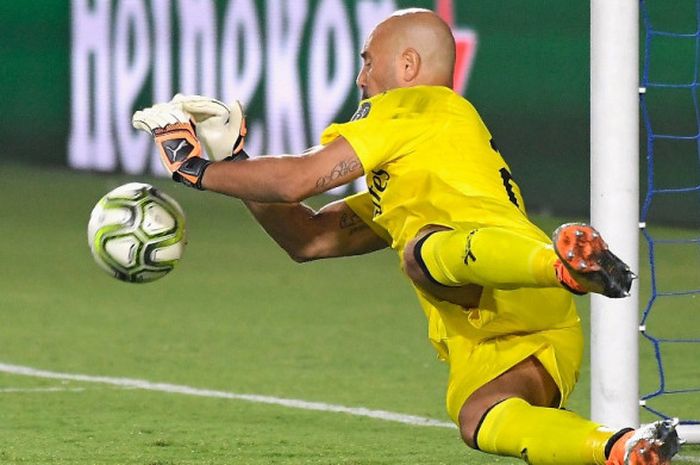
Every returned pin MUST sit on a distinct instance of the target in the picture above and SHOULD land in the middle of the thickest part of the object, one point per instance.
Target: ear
(411, 63)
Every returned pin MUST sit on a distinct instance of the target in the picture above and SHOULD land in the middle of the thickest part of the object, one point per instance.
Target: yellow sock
(491, 257)
(541, 435)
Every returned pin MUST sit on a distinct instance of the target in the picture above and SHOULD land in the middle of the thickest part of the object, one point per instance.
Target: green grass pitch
(236, 316)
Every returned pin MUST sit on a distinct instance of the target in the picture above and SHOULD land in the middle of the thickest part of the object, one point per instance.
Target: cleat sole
(590, 263)
(654, 444)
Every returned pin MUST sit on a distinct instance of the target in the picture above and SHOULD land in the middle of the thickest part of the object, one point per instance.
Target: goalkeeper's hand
(177, 142)
(220, 127)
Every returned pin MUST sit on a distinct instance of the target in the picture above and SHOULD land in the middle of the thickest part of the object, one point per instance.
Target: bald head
(430, 36)
(411, 47)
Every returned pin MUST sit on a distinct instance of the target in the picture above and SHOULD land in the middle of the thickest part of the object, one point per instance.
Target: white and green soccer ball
(137, 233)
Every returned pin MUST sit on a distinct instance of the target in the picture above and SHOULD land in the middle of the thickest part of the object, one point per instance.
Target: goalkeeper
(496, 291)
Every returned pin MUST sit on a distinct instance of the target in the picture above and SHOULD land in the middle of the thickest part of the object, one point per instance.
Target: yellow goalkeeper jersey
(429, 159)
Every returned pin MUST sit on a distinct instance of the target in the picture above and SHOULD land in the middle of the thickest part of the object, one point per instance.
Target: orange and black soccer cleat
(586, 265)
(652, 444)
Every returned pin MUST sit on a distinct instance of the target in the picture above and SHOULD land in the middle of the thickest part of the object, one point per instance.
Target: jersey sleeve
(361, 204)
(380, 132)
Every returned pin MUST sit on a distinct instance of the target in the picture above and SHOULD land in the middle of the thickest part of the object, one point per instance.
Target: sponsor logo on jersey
(377, 184)
(362, 111)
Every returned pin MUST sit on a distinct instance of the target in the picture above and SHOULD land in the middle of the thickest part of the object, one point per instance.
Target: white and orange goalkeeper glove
(179, 147)
(220, 127)
(178, 127)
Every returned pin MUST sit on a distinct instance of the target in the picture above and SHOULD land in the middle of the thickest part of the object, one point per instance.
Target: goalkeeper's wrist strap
(237, 156)
(191, 171)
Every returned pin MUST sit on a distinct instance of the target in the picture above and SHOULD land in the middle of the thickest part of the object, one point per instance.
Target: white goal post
(615, 209)
(615, 205)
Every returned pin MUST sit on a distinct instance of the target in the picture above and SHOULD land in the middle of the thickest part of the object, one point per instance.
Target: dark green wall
(530, 81)
(35, 80)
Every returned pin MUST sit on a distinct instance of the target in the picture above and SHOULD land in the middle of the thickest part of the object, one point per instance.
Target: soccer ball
(137, 233)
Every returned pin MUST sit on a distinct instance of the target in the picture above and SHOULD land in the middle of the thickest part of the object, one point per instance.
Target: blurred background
(73, 73)
(237, 315)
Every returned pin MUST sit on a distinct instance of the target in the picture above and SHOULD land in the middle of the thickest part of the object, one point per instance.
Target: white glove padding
(177, 142)
(158, 116)
(221, 128)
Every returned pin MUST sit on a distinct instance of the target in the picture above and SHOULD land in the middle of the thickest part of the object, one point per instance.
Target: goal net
(645, 367)
(670, 214)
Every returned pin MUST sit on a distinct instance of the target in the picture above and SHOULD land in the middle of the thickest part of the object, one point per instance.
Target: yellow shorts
(506, 328)
(473, 365)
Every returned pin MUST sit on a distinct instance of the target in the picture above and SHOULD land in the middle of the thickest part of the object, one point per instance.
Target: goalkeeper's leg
(513, 416)
(443, 261)
(439, 259)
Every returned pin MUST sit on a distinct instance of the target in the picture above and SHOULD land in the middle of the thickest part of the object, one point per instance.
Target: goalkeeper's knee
(414, 263)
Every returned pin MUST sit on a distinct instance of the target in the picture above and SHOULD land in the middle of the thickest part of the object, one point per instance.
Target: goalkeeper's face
(379, 65)
(412, 47)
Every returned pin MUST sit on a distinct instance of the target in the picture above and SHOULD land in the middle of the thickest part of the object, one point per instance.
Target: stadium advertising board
(76, 70)
(292, 63)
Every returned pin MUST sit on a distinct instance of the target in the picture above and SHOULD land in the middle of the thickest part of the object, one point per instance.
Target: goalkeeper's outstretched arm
(305, 234)
(265, 183)
(285, 178)
(271, 187)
